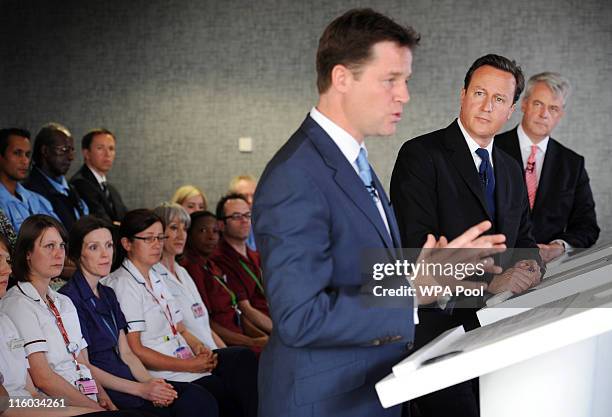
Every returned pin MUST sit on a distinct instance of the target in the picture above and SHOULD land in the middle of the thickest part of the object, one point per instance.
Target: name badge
(183, 352)
(87, 386)
(198, 310)
(15, 344)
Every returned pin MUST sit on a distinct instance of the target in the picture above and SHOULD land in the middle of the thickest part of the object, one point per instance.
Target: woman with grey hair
(236, 366)
(178, 280)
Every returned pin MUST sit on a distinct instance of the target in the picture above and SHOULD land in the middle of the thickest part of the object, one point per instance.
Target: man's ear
(221, 225)
(341, 78)
(512, 108)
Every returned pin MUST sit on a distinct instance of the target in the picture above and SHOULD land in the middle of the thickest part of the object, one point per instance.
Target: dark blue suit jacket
(312, 219)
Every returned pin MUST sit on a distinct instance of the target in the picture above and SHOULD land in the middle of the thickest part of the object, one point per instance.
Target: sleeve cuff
(136, 326)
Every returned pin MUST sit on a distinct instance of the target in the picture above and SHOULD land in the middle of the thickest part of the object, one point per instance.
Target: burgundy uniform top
(215, 294)
(243, 274)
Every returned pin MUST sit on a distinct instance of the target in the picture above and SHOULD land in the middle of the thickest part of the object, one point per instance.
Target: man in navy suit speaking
(318, 205)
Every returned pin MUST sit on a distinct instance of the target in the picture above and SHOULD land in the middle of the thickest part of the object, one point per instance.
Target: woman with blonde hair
(191, 198)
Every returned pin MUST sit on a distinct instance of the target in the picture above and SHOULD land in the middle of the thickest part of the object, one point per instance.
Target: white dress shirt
(99, 177)
(473, 145)
(149, 311)
(525, 145)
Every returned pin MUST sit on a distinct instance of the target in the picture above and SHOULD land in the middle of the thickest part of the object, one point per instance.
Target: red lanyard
(71, 347)
(169, 316)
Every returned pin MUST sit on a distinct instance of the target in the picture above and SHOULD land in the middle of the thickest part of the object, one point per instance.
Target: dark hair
(82, 228)
(221, 204)
(135, 221)
(196, 216)
(30, 230)
(89, 136)
(501, 63)
(46, 137)
(348, 41)
(11, 131)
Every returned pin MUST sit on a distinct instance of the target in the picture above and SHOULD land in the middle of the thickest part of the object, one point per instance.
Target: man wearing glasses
(241, 264)
(17, 202)
(52, 155)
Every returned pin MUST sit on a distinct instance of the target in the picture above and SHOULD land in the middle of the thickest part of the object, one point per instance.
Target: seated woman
(31, 328)
(156, 332)
(191, 198)
(236, 366)
(220, 300)
(103, 324)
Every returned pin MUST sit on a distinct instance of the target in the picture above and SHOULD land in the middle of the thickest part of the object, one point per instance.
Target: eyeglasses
(150, 239)
(63, 150)
(239, 216)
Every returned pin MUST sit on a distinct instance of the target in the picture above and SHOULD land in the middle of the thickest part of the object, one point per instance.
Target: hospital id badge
(87, 386)
(183, 352)
(198, 310)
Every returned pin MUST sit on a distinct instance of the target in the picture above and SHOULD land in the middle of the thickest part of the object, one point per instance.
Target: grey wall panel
(180, 81)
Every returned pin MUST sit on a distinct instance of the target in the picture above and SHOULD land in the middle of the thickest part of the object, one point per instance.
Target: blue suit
(312, 218)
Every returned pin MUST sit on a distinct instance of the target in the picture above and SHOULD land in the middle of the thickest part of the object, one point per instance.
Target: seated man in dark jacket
(98, 147)
(52, 155)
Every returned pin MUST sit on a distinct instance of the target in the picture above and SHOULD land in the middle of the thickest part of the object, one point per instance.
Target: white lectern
(542, 362)
(573, 281)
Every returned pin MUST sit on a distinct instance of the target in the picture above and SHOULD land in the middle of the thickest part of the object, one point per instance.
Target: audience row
(139, 325)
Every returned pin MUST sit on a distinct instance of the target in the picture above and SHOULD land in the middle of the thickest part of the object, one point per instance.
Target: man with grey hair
(560, 198)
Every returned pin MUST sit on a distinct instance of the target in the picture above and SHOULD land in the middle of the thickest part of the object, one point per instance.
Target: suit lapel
(393, 227)
(92, 178)
(547, 176)
(346, 177)
(460, 157)
(502, 189)
(514, 149)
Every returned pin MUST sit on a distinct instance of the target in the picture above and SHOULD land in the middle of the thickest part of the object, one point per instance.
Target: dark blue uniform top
(101, 320)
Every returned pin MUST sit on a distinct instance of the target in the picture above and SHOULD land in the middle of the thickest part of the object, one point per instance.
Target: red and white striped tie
(531, 176)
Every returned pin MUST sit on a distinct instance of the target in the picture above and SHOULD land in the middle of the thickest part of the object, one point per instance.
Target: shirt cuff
(566, 245)
(137, 326)
(34, 346)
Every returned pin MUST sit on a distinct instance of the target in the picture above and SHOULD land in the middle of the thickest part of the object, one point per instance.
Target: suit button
(409, 346)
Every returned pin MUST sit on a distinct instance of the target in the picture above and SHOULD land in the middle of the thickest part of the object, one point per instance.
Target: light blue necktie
(365, 172)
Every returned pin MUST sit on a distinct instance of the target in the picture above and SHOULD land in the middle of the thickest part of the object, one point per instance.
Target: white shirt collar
(99, 177)
(525, 142)
(27, 289)
(473, 145)
(348, 144)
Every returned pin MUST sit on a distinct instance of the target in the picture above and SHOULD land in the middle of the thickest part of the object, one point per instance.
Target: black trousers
(192, 401)
(233, 382)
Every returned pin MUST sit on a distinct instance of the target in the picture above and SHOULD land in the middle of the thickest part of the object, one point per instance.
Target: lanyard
(71, 347)
(168, 316)
(225, 287)
(114, 334)
(248, 270)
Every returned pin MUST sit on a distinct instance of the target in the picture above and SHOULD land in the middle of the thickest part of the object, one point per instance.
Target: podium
(578, 257)
(541, 362)
(588, 270)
